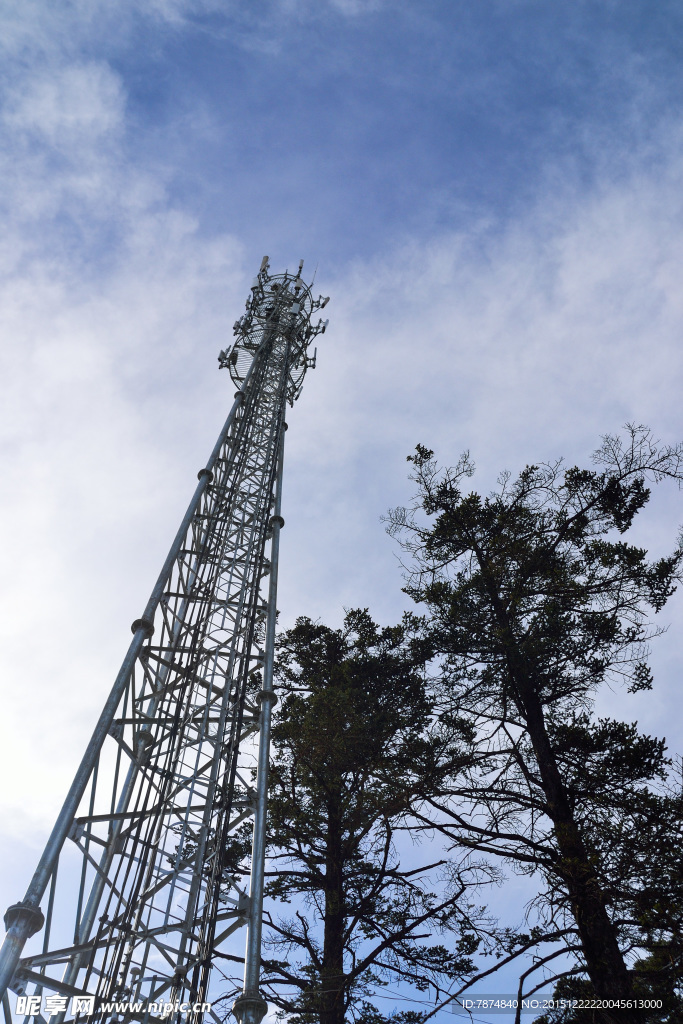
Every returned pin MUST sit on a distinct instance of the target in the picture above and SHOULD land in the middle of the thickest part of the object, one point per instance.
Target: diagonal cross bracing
(136, 875)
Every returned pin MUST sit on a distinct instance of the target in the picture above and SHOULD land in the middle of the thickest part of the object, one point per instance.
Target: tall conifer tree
(534, 600)
(356, 747)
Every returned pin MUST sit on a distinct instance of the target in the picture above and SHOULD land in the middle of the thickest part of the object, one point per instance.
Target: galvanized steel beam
(137, 869)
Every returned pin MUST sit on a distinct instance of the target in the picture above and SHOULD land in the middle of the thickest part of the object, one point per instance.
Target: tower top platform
(278, 303)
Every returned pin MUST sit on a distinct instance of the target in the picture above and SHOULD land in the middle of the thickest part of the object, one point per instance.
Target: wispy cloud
(93, 350)
(519, 346)
(71, 109)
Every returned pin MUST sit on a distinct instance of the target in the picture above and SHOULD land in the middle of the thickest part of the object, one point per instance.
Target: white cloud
(69, 108)
(39, 27)
(520, 345)
(95, 340)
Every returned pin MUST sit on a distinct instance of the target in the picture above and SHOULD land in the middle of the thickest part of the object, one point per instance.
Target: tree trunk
(332, 974)
(604, 961)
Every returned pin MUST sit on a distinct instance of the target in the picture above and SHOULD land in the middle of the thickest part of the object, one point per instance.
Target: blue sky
(364, 123)
(404, 118)
(493, 195)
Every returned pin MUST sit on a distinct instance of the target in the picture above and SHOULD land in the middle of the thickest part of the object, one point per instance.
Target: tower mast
(136, 889)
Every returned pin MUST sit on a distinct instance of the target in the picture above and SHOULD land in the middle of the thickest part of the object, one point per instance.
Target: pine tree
(356, 747)
(534, 600)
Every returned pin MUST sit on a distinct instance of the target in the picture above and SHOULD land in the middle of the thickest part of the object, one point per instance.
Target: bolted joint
(144, 737)
(144, 741)
(115, 730)
(265, 696)
(205, 473)
(27, 914)
(76, 832)
(145, 624)
(250, 1008)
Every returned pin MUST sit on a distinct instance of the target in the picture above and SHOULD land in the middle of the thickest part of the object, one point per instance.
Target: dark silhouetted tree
(356, 747)
(534, 600)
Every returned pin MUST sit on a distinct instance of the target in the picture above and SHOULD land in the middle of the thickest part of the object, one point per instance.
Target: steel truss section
(137, 883)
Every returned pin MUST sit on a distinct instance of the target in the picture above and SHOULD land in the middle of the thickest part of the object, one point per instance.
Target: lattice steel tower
(136, 891)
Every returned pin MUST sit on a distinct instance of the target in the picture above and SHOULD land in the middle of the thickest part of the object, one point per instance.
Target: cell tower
(136, 890)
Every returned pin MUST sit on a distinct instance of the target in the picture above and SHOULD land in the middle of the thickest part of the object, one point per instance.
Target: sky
(489, 190)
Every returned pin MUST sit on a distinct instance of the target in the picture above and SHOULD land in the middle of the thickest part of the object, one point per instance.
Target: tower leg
(250, 1007)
